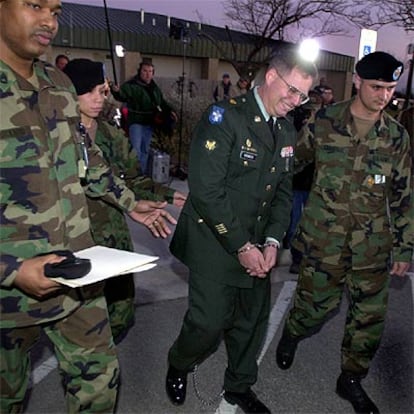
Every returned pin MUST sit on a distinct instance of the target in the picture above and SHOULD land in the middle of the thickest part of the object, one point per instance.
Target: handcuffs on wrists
(258, 246)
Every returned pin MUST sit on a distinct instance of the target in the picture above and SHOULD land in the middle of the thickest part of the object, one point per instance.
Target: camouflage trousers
(85, 352)
(120, 296)
(319, 293)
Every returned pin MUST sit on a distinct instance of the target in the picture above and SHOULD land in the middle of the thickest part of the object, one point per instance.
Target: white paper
(108, 262)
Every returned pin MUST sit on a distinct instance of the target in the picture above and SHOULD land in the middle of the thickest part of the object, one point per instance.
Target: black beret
(379, 66)
(85, 74)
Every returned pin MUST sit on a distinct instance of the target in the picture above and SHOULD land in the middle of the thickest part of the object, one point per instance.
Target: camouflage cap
(380, 66)
(85, 74)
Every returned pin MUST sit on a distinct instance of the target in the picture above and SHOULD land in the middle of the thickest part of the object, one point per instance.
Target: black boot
(176, 385)
(285, 352)
(349, 388)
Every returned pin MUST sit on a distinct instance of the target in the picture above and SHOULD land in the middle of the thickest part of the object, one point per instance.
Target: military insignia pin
(397, 73)
(210, 145)
(257, 119)
(370, 181)
(248, 143)
(232, 101)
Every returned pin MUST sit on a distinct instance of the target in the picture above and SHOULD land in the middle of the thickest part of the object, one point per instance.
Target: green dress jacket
(240, 182)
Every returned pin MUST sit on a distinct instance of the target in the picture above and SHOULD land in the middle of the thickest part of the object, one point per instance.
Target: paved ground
(308, 387)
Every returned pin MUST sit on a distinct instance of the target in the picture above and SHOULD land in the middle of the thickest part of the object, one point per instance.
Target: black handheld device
(70, 268)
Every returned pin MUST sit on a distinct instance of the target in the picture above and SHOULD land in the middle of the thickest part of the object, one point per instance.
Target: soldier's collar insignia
(216, 115)
(210, 145)
(248, 143)
(232, 101)
(257, 119)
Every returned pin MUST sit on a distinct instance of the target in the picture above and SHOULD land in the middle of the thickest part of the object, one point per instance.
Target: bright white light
(119, 51)
(309, 49)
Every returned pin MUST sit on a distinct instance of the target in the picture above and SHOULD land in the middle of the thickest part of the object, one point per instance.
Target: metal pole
(111, 46)
(409, 83)
(182, 85)
(179, 171)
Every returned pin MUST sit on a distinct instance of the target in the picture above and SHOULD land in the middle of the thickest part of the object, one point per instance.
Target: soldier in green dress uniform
(240, 182)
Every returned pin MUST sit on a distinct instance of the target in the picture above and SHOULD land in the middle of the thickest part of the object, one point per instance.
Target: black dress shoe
(349, 388)
(285, 352)
(176, 385)
(247, 401)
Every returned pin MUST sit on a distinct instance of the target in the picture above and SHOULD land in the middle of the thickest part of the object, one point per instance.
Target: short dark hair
(145, 62)
(58, 57)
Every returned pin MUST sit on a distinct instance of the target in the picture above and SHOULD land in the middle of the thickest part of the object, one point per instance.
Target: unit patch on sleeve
(216, 115)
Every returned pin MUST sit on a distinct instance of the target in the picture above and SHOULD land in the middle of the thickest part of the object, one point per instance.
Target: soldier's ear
(357, 81)
(271, 75)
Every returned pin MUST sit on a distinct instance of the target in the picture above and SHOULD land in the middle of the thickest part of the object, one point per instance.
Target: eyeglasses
(293, 90)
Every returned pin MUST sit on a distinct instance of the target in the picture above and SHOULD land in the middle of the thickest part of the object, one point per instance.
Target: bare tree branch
(397, 12)
(271, 19)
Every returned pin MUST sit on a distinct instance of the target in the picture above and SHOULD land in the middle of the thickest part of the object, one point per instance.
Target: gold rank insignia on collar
(210, 145)
(232, 101)
(257, 119)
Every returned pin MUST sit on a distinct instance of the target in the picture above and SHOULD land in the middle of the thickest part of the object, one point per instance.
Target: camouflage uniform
(109, 227)
(43, 208)
(346, 235)
(406, 118)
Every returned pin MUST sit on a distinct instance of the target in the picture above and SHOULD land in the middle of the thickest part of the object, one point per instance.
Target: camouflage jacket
(43, 205)
(361, 190)
(109, 227)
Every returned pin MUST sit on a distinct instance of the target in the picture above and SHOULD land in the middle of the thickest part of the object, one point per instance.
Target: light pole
(108, 29)
(180, 173)
(410, 76)
(180, 33)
